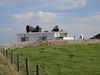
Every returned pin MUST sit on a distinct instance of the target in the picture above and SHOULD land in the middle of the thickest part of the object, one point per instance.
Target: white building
(36, 34)
(40, 36)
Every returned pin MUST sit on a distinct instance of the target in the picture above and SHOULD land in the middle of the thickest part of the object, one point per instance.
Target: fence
(10, 57)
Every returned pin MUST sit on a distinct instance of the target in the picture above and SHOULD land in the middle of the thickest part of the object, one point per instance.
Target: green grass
(79, 59)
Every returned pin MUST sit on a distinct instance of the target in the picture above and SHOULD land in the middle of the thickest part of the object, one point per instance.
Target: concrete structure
(36, 34)
(41, 36)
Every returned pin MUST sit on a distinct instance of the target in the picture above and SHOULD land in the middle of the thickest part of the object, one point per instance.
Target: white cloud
(52, 4)
(47, 4)
(37, 18)
(62, 4)
(88, 19)
(89, 26)
(70, 4)
(48, 20)
(24, 16)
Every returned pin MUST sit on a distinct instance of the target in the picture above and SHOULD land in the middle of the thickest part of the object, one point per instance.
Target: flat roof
(41, 32)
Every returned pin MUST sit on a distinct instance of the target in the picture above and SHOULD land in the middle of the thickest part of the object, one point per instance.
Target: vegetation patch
(77, 59)
(6, 68)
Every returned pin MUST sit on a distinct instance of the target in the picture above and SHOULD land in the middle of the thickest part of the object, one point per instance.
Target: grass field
(78, 59)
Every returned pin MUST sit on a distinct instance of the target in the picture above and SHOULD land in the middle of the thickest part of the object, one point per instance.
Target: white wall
(61, 34)
(21, 35)
(35, 36)
(68, 38)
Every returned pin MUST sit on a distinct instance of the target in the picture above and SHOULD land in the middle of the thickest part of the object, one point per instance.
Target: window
(24, 39)
(43, 38)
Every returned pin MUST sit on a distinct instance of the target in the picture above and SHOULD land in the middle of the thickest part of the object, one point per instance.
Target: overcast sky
(74, 16)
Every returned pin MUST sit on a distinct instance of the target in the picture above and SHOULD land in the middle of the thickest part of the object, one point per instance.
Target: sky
(73, 16)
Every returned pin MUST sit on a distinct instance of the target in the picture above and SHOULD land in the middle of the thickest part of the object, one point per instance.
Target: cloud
(48, 4)
(70, 4)
(62, 4)
(49, 19)
(37, 18)
(89, 26)
(88, 19)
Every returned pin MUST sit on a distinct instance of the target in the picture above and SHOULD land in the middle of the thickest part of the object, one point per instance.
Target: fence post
(18, 62)
(3, 52)
(1, 49)
(27, 67)
(38, 69)
(7, 54)
(11, 57)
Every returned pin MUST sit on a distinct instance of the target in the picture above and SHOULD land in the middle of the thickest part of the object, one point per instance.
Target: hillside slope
(77, 59)
(6, 68)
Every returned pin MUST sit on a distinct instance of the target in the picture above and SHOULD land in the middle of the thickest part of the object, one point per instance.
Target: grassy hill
(79, 59)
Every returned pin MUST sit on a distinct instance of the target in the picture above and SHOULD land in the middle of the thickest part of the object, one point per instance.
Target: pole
(7, 54)
(27, 67)
(38, 69)
(11, 57)
(18, 62)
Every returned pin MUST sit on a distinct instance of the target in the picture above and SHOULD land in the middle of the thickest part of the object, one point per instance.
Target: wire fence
(22, 65)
